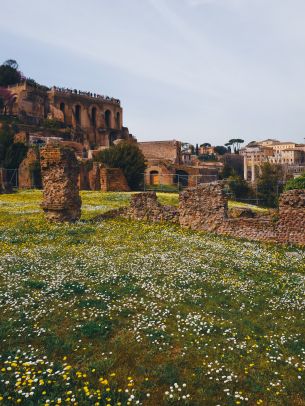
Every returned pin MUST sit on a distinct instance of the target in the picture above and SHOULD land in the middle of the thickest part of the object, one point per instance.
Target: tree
(238, 186)
(6, 139)
(127, 156)
(296, 183)
(6, 99)
(9, 74)
(235, 143)
(220, 150)
(205, 145)
(14, 155)
(269, 185)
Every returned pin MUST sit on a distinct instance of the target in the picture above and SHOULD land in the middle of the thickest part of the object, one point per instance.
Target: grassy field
(121, 312)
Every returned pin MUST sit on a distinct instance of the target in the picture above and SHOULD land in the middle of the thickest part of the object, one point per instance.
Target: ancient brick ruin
(113, 180)
(60, 169)
(206, 208)
(145, 206)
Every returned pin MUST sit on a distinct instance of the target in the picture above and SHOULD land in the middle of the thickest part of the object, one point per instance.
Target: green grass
(175, 317)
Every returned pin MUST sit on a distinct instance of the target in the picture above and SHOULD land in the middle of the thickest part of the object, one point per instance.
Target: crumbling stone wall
(27, 168)
(60, 170)
(145, 206)
(113, 180)
(206, 208)
(291, 224)
(94, 176)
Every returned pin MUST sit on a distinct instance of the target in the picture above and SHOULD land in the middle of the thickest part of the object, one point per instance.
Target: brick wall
(206, 208)
(60, 170)
(168, 150)
(113, 180)
(145, 206)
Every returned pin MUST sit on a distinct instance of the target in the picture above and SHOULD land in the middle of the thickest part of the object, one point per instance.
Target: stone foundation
(60, 170)
(206, 208)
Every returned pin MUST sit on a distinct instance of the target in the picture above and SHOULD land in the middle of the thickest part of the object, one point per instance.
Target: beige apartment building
(288, 154)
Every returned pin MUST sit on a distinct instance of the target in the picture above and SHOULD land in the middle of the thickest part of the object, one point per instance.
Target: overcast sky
(191, 70)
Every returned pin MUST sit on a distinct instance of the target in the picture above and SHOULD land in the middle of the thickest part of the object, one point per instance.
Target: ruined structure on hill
(88, 118)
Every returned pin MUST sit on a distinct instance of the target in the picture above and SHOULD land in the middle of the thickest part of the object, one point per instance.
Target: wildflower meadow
(118, 312)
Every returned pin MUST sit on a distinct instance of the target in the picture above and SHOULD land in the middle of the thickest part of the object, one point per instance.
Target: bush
(6, 140)
(297, 183)
(238, 187)
(9, 75)
(268, 184)
(127, 156)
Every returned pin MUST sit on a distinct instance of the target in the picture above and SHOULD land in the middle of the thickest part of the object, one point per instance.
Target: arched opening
(113, 137)
(118, 120)
(62, 108)
(93, 116)
(181, 178)
(77, 114)
(108, 119)
(154, 178)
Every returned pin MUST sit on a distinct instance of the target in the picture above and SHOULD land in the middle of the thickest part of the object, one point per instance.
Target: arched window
(118, 120)
(62, 108)
(77, 114)
(154, 178)
(108, 119)
(93, 116)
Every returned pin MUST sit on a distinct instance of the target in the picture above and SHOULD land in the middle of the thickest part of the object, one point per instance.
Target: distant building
(288, 154)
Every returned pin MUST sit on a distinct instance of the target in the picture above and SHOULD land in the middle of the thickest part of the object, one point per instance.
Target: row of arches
(93, 115)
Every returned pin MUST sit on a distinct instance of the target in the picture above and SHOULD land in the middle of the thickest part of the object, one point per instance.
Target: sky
(191, 70)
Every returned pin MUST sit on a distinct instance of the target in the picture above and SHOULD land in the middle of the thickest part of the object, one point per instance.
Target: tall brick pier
(60, 169)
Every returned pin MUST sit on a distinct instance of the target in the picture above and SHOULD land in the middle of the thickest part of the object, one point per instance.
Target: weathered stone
(26, 171)
(145, 206)
(60, 169)
(113, 180)
(241, 212)
(205, 208)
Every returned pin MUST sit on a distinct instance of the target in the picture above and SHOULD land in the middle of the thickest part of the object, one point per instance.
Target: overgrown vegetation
(269, 185)
(11, 154)
(9, 73)
(127, 156)
(120, 311)
(297, 183)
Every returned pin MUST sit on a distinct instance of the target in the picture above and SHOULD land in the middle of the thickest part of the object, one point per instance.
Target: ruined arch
(118, 120)
(62, 107)
(94, 116)
(108, 119)
(77, 112)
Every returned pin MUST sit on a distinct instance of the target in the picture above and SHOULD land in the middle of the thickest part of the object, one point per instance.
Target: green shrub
(127, 156)
(297, 183)
(238, 187)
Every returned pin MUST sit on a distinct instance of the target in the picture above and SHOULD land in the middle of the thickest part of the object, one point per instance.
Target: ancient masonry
(206, 208)
(60, 169)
